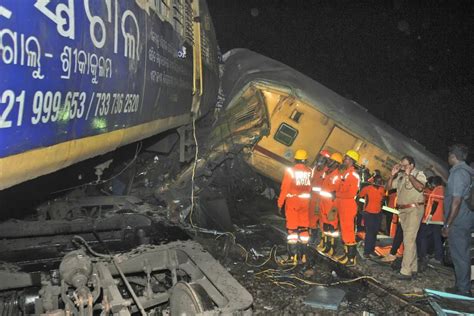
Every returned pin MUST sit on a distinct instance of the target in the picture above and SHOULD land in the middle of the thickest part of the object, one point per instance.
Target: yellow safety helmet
(354, 155)
(337, 157)
(301, 154)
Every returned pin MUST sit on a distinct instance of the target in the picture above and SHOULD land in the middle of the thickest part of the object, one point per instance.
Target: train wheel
(189, 299)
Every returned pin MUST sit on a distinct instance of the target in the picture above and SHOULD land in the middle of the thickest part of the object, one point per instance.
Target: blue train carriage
(303, 114)
(80, 78)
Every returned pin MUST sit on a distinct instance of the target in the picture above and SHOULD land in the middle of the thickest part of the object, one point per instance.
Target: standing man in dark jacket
(459, 218)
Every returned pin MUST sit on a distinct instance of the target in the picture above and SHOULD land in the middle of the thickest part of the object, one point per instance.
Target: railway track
(381, 290)
(378, 288)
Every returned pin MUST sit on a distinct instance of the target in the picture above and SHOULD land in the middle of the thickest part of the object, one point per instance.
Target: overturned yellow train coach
(303, 114)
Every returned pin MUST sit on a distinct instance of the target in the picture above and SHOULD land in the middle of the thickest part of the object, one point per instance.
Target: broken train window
(286, 134)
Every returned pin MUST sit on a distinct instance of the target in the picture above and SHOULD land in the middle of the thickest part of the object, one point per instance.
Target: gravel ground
(277, 291)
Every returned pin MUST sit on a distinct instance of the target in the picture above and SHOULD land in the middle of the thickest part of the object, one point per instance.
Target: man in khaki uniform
(409, 183)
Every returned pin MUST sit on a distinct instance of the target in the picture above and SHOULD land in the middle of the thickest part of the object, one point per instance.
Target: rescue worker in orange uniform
(328, 213)
(373, 194)
(431, 223)
(396, 232)
(346, 206)
(319, 172)
(295, 194)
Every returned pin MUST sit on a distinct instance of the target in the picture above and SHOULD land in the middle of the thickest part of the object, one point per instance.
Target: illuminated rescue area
(142, 171)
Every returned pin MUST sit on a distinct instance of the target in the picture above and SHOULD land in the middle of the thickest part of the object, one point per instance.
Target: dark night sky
(409, 62)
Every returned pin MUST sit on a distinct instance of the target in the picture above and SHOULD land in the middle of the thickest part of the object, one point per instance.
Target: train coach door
(341, 141)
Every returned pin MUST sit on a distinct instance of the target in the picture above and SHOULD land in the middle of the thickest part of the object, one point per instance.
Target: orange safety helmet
(301, 154)
(354, 155)
(337, 157)
(325, 153)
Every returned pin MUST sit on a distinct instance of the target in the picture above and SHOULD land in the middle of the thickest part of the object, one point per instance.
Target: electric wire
(196, 153)
(272, 250)
(97, 182)
(270, 273)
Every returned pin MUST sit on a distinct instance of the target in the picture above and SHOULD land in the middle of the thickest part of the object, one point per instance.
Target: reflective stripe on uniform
(355, 174)
(332, 234)
(290, 171)
(292, 238)
(304, 239)
(316, 189)
(301, 196)
(326, 194)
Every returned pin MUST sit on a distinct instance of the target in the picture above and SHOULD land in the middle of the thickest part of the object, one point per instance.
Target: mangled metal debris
(149, 279)
(223, 153)
(91, 206)
(44, 273)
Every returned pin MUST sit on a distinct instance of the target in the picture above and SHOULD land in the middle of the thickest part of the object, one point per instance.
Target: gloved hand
(333, 193)
(280, 211)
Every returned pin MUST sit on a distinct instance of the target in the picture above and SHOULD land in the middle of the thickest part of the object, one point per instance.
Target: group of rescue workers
(322, 196)
(326, 198)
(421, 211)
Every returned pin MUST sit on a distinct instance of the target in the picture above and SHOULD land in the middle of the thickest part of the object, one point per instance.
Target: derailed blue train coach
(79, 78)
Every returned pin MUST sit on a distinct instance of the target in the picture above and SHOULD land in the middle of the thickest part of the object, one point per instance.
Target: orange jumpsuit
(437, 195)
(314, 211)
(346, 204)
(326, 203)
(295, 193)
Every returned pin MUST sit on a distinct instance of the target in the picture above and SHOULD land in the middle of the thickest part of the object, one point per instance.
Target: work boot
(329, 247)
(301, 253)
(310, 257)
(313, 237)
(344, 257)
(352, 253)
(322, 243)
(292, 254)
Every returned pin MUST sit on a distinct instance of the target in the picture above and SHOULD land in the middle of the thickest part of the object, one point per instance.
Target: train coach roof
(243, 66)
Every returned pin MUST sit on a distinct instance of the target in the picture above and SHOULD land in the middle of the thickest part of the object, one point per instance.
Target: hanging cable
(97, 182)
(193, 171)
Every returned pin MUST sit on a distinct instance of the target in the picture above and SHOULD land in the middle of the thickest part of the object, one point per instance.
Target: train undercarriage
(112, 254)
